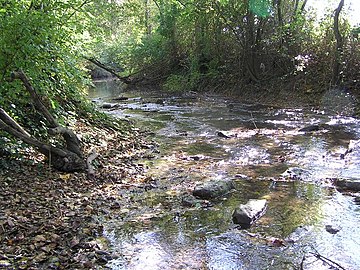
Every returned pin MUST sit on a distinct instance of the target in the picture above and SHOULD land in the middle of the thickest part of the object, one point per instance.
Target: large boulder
(213, 189)
(248, 213)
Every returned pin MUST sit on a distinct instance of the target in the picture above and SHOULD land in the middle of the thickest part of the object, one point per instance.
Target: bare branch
(7, 119)
(110, 70)
(35, 97)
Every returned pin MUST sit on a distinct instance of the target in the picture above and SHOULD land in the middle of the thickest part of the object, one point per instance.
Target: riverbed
(267, 153)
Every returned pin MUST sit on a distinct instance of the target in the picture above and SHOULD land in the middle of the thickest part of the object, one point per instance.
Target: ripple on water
(267, 142)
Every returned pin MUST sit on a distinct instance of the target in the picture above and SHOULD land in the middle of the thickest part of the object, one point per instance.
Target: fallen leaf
(124, 211)
(75, 241)
(10, 222)
(88, 208)
(171, 192)
(40, 257)
(55, 237)
(275, 242)
(65, 176)
(48, 248)
(40, 238)
(4, 263)
(22, 219)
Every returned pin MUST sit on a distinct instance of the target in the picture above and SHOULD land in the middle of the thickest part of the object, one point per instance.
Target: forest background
(254, 48)
(264, 51)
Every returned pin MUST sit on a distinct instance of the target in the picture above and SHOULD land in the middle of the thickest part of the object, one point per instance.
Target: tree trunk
(250, 48)
(339, 46)
(68, 159)
(279, 13)
(147, 17)
(298, 10)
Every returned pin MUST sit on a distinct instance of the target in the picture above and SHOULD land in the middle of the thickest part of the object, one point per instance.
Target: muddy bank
(339, 100)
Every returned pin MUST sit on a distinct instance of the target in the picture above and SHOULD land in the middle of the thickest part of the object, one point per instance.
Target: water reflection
(104, 89)
(161, 233)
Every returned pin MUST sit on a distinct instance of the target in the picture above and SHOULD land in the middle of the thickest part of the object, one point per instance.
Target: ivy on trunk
(68, 158)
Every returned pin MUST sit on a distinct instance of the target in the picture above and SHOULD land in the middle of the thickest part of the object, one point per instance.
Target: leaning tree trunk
(67, 159)
(339, 46)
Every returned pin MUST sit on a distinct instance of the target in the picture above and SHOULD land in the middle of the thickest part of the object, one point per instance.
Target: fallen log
(125, 80)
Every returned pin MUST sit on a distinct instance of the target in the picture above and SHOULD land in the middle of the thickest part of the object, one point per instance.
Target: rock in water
(108, 105)
(212, 189)
(226, 134)
(120, 98)
(248, 213)
(310, 128)
(331, 229)
(295, 173)
(349, 184)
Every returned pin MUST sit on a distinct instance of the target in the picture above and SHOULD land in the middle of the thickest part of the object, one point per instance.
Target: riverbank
(294, 93)
(50, 220)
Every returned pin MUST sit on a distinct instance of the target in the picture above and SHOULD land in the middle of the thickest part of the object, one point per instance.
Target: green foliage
(46, 40)
(119, 30)
(176, 83)
(261, 8)
(41, 38)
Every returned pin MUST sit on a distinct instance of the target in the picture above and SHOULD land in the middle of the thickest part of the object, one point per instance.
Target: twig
(302, 263)
(252, 120)
(326, 260)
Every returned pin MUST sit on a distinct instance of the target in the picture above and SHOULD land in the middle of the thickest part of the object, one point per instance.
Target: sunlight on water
(264, 147)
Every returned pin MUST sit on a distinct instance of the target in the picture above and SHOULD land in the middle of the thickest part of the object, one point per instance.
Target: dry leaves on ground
(49, 220)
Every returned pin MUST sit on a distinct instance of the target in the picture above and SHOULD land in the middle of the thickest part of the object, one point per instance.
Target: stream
(211, 137)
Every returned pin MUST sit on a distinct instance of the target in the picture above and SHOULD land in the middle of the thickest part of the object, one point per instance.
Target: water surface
(158, 232)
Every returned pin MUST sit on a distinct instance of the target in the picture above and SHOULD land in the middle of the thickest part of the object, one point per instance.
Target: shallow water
(157, 232)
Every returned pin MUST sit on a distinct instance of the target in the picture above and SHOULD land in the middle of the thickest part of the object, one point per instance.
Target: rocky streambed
(293, 171)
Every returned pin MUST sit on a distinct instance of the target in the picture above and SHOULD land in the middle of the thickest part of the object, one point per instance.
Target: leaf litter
(50, 220)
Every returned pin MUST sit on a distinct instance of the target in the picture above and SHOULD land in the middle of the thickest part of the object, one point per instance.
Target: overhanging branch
(126, 80)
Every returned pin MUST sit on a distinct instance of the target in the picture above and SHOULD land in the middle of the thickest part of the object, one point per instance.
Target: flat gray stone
(248, 213)
(213, 189)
